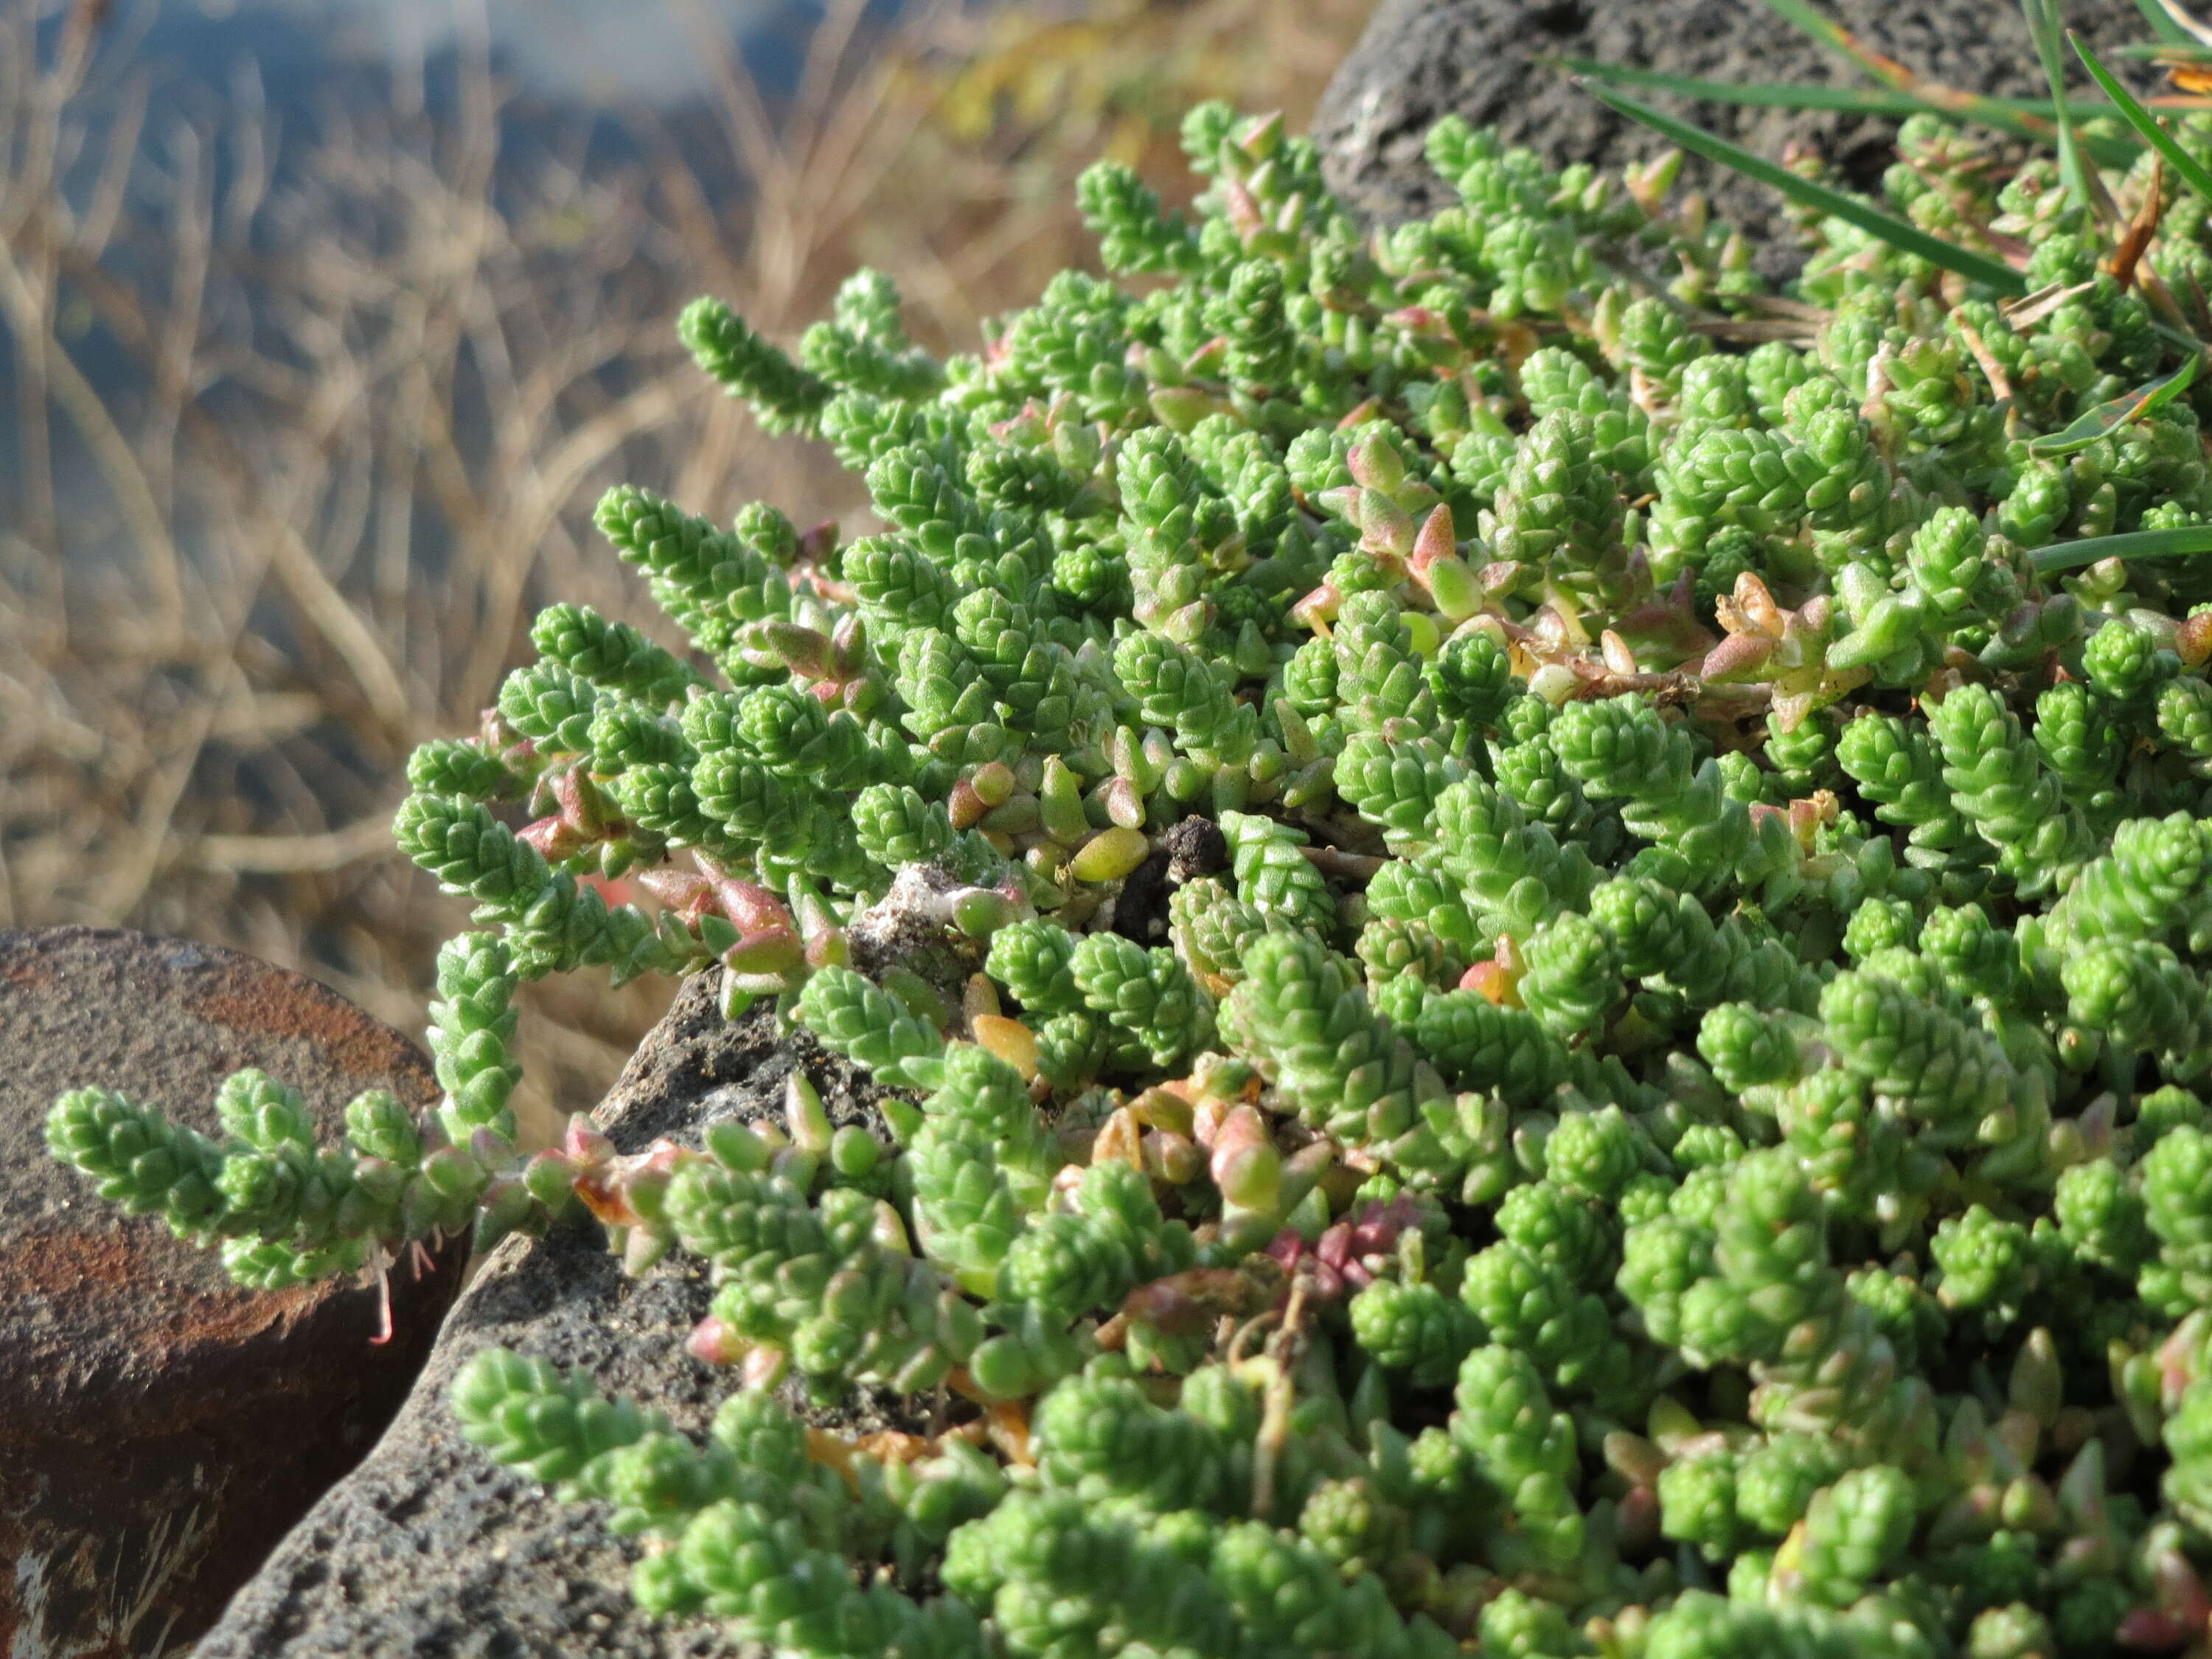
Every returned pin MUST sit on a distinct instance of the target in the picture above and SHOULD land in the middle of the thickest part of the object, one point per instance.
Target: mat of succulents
(1536, 919)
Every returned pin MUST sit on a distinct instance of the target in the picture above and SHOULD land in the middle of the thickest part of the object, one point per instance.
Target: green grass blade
(2162, 25)
(2044, 25)
(2108, 417)
(2184, 22)
(2191, 170)
(1822, 27)
(1774, 95)
(2135, 545)
(1898, 233)
(2010, 115)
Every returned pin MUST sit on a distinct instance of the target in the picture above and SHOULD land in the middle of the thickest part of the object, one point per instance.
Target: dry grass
(377, 389)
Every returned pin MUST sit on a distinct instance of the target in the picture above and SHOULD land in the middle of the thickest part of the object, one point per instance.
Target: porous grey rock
(159, 1428)
(1422, 60)
(430, 1549)
(907, 928)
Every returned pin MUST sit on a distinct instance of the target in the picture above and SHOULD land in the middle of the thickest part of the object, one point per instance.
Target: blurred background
(324, 323)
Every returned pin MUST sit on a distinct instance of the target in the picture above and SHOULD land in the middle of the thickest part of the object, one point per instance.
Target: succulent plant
(1546, 923)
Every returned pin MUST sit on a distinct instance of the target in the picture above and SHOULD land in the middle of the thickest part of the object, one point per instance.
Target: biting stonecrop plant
(1536, 923)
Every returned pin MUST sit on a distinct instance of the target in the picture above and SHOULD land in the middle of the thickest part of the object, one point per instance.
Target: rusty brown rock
(161, 1428)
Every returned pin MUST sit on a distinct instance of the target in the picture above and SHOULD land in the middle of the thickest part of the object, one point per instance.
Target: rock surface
(1421, 59)
(429, 1548)
(159, 1428)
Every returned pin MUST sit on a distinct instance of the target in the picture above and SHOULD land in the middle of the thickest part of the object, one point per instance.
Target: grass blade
(2186, 52)
(1825, 31)
(2006, 114)
(1830, 33)
(2108, 417)
(2025, 118)
(1898, 233)
(2183, 24)
(2135, 545)
(2162, 25)
(1775, 94)
(2190, 170)
(2084, 186)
